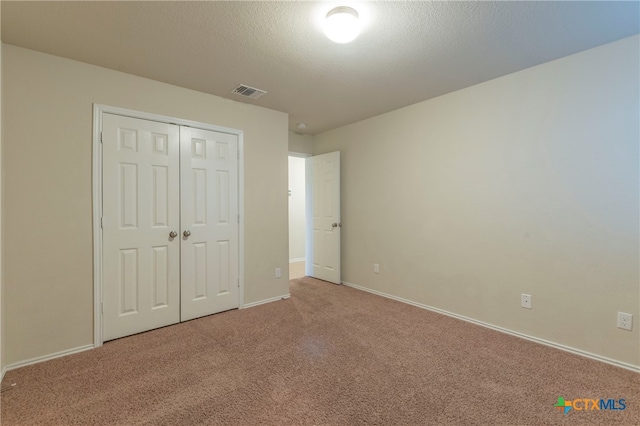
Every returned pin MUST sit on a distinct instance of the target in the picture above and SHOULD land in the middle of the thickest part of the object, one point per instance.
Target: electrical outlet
(625, 321)
(525, 300)
(376, 268)
(278, 272)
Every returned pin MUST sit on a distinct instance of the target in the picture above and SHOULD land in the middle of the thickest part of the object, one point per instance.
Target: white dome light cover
(342, 24)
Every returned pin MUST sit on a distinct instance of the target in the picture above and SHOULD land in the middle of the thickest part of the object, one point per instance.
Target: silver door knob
(173, 234)
(186, 233)
(334, 225)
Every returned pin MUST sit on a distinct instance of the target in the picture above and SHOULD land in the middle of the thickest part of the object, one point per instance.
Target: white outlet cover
(376, 268)
(525, 300)
(625, 321)
(278, 273)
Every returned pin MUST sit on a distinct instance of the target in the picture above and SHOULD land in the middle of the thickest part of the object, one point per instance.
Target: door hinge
(101, 223)
(238, 282)
(102, 307)
(100, 137)
(238, 217)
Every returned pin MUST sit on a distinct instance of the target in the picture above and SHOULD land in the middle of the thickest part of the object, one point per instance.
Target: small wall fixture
(342, 24)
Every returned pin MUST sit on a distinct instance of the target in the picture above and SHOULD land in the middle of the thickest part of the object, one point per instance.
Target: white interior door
(209, 181)
(323, 201)
(141, 206)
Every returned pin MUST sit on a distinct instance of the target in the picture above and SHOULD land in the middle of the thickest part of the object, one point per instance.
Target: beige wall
(523, 184)
(48, 216)
(302, 144)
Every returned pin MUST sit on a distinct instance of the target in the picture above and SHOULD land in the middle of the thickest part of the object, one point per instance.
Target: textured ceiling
(406, 53)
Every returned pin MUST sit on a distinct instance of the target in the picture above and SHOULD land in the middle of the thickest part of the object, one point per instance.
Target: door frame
(98, 110)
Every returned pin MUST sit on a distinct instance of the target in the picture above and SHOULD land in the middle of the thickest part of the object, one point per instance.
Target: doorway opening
(297, 215)
(314, 216)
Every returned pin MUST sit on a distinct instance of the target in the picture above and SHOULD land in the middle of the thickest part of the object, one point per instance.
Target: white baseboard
(634, 368)
(47, 357)
(297, 259)
(262, 302)
(87, 347)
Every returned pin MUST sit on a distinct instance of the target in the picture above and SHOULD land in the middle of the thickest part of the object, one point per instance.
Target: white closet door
(209, 234)
(141, 199)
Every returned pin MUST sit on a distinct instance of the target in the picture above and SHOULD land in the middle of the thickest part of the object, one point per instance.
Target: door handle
(335, 225)
(173, 234)
(186, 233)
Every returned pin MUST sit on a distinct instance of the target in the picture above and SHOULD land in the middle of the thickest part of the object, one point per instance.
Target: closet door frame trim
(98, 110)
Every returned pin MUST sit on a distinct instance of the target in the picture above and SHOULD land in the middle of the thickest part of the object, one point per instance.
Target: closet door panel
(141, 206)
(209, 262)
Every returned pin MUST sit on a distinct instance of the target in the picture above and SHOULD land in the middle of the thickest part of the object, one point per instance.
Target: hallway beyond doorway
(296, 270)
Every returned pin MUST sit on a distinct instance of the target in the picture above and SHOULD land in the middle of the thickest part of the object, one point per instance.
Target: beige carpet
(329, 355)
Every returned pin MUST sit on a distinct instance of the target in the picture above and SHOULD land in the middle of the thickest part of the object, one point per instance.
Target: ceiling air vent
(248, 91)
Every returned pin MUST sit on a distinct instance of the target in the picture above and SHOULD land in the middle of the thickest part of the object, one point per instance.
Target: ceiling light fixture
(302, 126)
(341, 24)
